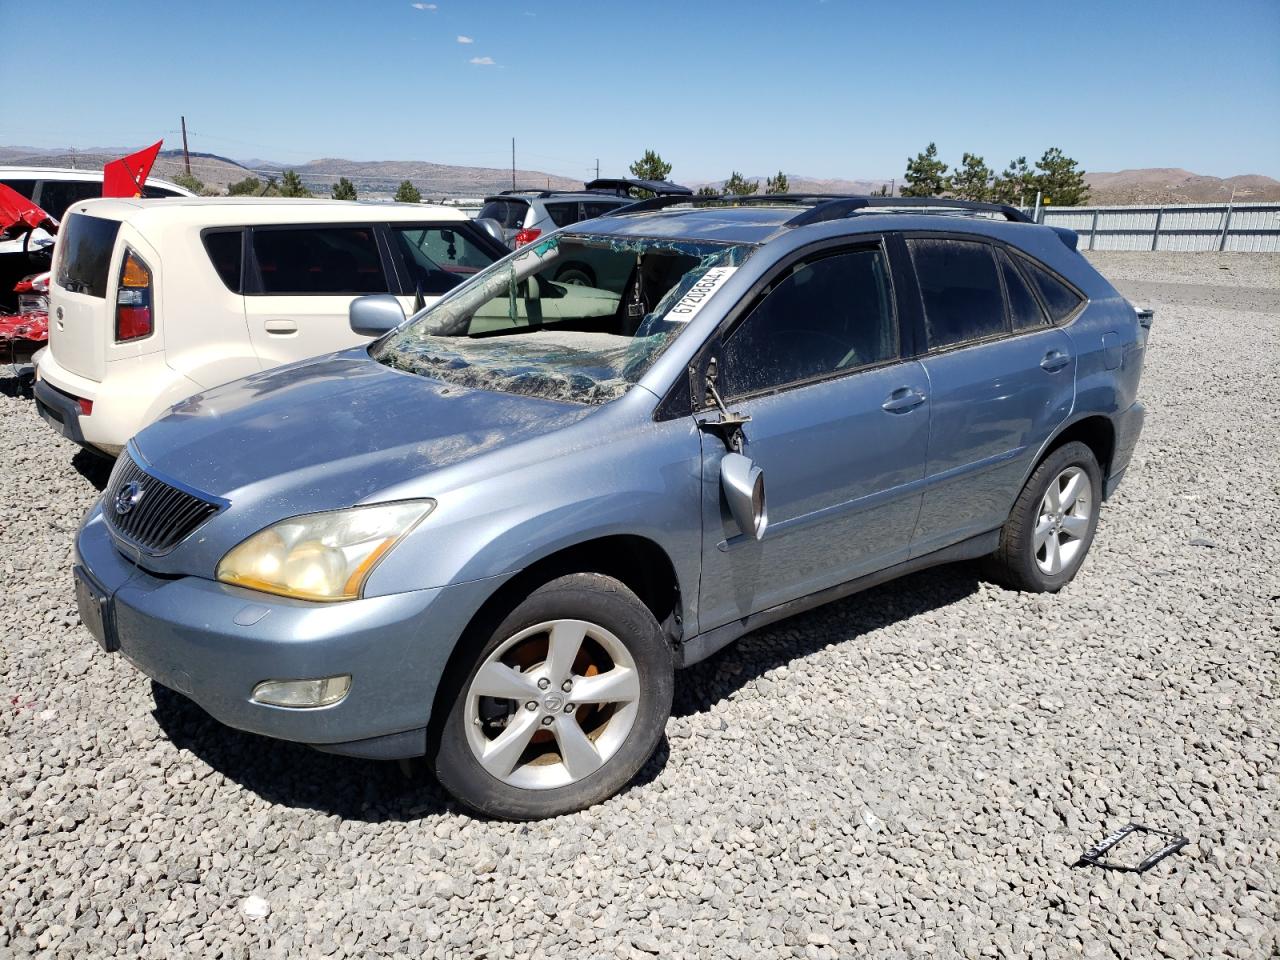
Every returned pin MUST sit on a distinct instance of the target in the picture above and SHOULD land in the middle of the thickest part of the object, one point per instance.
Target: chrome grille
(143, 510)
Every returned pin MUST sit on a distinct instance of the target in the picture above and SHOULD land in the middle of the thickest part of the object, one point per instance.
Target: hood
(335, 430)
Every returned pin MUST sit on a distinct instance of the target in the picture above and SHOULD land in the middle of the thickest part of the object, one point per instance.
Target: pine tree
(926, 175)
(972, 179)
(1060, 179)
(344, 189)
(1016, 186)
(778, 184)
(291, 185)
(739, 186)
(651, 167)
(408, 193)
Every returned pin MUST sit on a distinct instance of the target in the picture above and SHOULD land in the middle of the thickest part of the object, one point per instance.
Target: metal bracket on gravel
(1094, 856)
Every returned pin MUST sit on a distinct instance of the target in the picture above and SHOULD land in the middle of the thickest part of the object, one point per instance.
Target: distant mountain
(1174, 185)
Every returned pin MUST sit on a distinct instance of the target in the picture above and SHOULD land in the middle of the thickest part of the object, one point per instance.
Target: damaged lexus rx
(490, 537)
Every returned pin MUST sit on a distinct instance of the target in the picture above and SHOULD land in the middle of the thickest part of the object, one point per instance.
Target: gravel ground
(910, 772)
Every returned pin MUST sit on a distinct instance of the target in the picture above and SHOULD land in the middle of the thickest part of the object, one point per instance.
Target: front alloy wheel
(552, 704)
(563, 702)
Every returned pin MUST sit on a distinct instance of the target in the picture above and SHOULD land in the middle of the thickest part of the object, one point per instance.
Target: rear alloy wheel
(562, 706)
(1053, 522)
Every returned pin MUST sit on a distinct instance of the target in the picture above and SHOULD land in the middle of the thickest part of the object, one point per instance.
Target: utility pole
(597, 168)
(186, 155)
(513, 163)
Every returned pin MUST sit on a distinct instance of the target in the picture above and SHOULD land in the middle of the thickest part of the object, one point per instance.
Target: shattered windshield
(577, 318)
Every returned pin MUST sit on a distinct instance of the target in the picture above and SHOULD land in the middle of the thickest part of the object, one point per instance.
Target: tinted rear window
(315, 260)
(223, 247)
(509, 213)
(1023, 309)
(960, 289)
(84, 258)
(563, 214)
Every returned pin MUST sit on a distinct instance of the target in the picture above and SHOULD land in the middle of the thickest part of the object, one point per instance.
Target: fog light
(302, 693)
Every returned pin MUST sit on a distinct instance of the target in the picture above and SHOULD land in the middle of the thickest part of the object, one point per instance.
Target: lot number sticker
(687, 307)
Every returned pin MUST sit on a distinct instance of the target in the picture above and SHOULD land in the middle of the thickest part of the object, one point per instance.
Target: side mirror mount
(375, 315)
(743, 485)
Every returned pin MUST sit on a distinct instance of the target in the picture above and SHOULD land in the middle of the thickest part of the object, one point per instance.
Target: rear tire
(1052, 524)
(561, 706)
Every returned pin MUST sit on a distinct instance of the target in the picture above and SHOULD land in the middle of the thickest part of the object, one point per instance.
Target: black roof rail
(829, 206)
(838, 208)
(657, 203)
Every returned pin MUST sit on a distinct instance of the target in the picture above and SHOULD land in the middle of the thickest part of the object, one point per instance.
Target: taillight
(133, 299)
(527, 235)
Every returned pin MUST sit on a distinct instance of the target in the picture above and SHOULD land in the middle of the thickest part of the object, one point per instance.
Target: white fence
(1251, 227)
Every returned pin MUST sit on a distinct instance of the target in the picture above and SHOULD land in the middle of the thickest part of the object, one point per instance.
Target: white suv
(154, 300)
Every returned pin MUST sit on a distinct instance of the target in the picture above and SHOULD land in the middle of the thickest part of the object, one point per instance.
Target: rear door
(1001, 378)
(81, 313)
(300, 284)
(839, 424)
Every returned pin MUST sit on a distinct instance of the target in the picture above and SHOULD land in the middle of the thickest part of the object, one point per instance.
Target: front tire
(562, 705)
(1052, 524)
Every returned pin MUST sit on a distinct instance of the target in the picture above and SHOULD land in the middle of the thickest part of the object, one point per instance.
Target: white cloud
(465, 40)
(483, 61)
(424, 6)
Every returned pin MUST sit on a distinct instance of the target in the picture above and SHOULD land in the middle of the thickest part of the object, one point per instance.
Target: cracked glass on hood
(576, 318)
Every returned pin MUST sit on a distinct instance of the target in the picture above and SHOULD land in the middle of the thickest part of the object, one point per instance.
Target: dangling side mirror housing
(743, 485)
(375, 315)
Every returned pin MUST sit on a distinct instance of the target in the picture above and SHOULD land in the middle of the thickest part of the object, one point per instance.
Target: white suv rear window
(84, 259)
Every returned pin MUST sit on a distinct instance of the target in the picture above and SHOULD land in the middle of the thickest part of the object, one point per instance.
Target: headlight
(322, 556)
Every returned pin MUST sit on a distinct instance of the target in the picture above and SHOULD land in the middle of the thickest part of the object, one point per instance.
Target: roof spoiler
(1069, 237)
(622, 185)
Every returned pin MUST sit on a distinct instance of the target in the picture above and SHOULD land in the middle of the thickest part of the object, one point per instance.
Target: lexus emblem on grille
(127, 497)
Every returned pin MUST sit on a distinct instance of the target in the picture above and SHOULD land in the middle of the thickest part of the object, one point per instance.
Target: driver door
(839, 424)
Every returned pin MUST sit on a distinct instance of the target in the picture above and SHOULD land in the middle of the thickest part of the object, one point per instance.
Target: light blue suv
(491, 537)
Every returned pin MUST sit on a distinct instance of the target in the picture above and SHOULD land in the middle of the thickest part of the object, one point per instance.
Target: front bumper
(1128, 427)
(213, 643)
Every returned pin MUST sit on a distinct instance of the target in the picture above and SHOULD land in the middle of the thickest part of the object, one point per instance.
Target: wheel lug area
(569, 707)
(543, 683)
(567, 686)
(531, 705)
(548, 720)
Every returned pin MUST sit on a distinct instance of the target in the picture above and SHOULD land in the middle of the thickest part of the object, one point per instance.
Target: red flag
(125, 177)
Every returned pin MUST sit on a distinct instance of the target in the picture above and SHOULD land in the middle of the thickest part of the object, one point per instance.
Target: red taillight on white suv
(527, 235)
(133, 299)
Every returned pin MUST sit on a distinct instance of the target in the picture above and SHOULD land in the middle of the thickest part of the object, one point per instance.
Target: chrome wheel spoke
(501, 754)
(618, 685)
(496, 679)
(1077, 527)
(563, 644)
(1052, 502)
(1075, 486)
(1053, 554)
(1043, 529)
(576, 749)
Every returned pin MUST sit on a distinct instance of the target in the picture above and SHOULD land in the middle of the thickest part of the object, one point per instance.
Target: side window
(319, 260)
(827, 315)
(437, 258)
(1058, 297)
(596, 208)
(563, 214)
(1024, 311)
(224, 248)
(25, 187)
(56, 196)
(152, 193)
(960, 290)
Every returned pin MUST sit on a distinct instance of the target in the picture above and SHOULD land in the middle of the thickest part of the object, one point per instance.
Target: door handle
(1055, 360)
(281, 327)
(902, 400)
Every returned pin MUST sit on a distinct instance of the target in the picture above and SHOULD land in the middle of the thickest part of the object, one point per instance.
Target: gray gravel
(907, 773)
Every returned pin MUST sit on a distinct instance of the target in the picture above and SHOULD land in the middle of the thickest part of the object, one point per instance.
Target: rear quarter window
(57, 196)
(224, 250)
(1060, 299)
(84, 256)
(509, 213)
(563, 214)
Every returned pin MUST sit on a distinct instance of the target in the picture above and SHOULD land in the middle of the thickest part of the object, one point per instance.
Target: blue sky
(840, 88)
